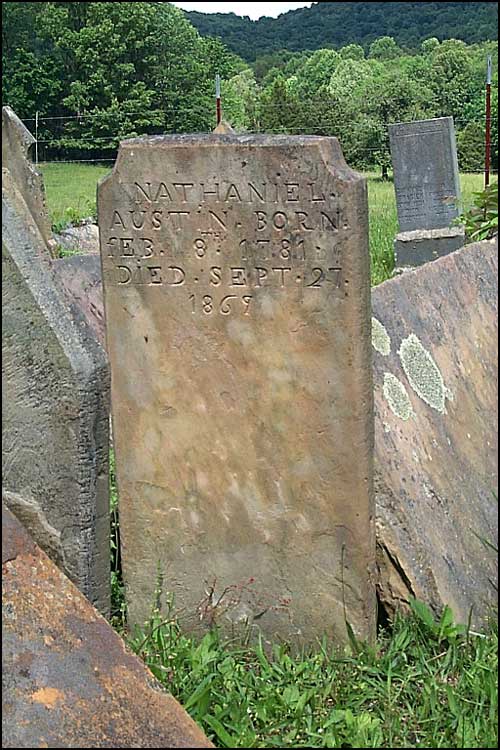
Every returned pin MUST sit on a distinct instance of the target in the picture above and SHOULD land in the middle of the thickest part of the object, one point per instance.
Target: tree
(450, 78)
(240, 101)
(470, 147)
(352, 52)
(117, 69)
(316, 71)
(280, 108)
(384, 48)
(429, 46)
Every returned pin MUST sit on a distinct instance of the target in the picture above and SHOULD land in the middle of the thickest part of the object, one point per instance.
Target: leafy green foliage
(107, 71)
(340, 23)
(481, 220)
(428, 683)
(116, 70)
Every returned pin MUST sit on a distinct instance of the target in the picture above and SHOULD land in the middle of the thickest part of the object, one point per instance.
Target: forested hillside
(339, 23)
(97, 73)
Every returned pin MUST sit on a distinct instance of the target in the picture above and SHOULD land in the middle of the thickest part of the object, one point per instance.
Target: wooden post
(487, 148)
(217, 99)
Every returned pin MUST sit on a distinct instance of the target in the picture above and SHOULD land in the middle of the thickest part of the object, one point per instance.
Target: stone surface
(224, 128)
(436, 427)
(16, 143)
(426, 180)
(55, 402)
(67, 678)
(424, 245)
(83, 238)
(80, 276)
(237, 296)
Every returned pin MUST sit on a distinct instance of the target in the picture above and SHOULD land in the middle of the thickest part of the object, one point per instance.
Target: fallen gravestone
(67, 678)
(55, 401)
(237, 297)
(436, 427)
(16, 144)
(426, 181)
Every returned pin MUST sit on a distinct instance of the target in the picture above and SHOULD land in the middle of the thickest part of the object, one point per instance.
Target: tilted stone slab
(80, 275)
(16, 143)
(67, 678)
(55, 402)
(436, 427)
(237, 296)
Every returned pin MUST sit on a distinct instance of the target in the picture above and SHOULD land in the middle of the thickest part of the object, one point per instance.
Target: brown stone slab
(67, 678)
(436, 427)
(237, 296)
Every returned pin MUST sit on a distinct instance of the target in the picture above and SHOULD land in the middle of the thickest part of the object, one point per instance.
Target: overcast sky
(254, 10)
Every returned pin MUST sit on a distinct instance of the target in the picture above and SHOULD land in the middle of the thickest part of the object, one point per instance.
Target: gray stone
(436, 431)
(16, 144)
(424, 245)
(83, 238)
(426, 179)
(80, 275)
(237, 296)
(55, 401)
(224, 128)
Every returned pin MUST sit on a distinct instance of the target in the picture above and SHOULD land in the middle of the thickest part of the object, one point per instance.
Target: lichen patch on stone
(381, 340)
(397, 397)
(47, 696)
(423, 373)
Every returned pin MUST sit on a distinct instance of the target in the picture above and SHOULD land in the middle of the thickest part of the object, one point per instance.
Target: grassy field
(71, 195)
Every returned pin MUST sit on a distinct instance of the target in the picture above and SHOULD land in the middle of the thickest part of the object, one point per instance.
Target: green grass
(384, 222)
(71, 195)
(71, 191)
(425, 684)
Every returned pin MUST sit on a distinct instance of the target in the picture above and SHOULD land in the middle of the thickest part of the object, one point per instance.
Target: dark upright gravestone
(426, 181)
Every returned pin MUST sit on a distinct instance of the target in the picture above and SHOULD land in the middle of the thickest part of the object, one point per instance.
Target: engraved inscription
(223, 243)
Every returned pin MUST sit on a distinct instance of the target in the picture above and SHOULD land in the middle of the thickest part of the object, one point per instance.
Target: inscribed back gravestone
(237, 299)
(426, 181)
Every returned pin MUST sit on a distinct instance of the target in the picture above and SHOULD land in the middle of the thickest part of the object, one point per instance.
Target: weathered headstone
(427, 185)
(67, 678)
(55, 403)
(16, 144)
(237, 297)
(436, 431)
